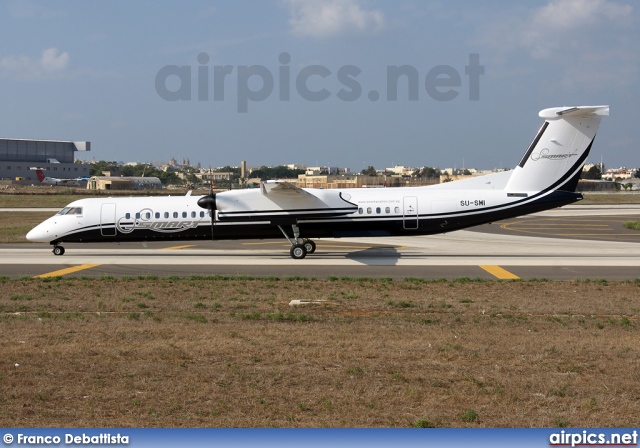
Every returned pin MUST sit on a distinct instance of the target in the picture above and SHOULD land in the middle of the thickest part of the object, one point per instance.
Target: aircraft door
(410, 212)
(108, 220)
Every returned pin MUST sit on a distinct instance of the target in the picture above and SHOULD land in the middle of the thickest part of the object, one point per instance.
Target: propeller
(209, 202)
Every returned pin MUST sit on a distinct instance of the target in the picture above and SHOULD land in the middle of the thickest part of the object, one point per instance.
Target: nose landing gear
(58, 250)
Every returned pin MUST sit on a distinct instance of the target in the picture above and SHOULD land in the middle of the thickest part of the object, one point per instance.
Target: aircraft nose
(39, 234)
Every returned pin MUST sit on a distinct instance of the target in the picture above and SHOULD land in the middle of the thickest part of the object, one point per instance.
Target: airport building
(123, 183)
(359, 181)
(56, 158)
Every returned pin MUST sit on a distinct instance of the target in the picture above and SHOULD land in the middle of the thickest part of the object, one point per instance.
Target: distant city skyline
(204, 166)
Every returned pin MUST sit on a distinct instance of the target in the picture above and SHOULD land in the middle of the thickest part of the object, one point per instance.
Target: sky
(347, 83)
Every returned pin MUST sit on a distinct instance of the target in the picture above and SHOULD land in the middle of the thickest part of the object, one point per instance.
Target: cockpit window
(71, 211)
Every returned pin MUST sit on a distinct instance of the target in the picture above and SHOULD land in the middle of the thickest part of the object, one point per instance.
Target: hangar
(56, 158)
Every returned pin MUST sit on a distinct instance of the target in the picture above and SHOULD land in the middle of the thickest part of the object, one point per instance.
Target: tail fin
(556, 156)
(40, 175)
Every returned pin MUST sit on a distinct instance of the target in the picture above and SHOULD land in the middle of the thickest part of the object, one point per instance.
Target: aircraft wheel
(58, 250)
(298, 251)
(310, 246)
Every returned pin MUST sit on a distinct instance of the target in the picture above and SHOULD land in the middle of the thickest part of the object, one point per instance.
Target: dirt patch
(232, 352)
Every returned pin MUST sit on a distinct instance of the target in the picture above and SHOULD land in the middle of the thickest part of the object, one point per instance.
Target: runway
(568, 243)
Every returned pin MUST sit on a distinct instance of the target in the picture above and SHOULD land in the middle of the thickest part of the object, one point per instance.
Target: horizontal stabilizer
(557, 112)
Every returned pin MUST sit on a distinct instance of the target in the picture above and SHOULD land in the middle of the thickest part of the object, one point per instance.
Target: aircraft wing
(280, 187)
(279, 199)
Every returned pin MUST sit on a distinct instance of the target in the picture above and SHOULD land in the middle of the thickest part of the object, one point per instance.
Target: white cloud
(558, 26)
(30, 10)
(51, 62)
(563, 24)
(327, 18)
(573, 14)
(585, 42)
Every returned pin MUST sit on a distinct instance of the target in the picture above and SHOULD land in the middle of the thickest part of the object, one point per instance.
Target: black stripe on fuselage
(331, 228)
(261, 215)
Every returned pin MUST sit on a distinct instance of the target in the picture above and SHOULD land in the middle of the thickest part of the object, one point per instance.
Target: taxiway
(568, 243)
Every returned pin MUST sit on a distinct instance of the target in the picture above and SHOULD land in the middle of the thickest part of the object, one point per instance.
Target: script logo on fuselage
(125, 225)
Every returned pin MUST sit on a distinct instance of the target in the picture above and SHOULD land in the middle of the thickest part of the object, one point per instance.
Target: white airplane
(545, 178)
(54, 180)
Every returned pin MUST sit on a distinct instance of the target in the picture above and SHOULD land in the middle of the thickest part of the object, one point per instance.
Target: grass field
(232, 352)
(610, 199)
(59, 197)
(15, 225)
(633, 225)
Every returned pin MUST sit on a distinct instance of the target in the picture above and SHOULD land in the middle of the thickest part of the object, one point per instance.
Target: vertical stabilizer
(40, 175)
(555, 158)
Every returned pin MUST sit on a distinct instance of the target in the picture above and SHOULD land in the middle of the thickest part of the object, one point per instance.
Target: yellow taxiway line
(178, 247)
(70, 270)
(498, 272)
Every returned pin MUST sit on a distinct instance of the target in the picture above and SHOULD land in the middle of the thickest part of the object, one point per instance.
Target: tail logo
(544, 154)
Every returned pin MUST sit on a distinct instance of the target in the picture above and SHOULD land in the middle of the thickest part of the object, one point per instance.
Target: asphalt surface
(562, 244)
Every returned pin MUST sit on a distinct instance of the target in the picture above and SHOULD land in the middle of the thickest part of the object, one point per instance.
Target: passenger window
(184, 214)
(368, 210)
(202, 214)
(360, 211)
(166, 214)
(387, 210)
(157, 215)
(175, 214)
(127, 215)
(378, 210)
(396, 210)
(147, 215)
(193, 214)
(137, 215)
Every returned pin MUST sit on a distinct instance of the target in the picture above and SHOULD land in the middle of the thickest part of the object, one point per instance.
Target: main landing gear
(300, 247)
(58, 250)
